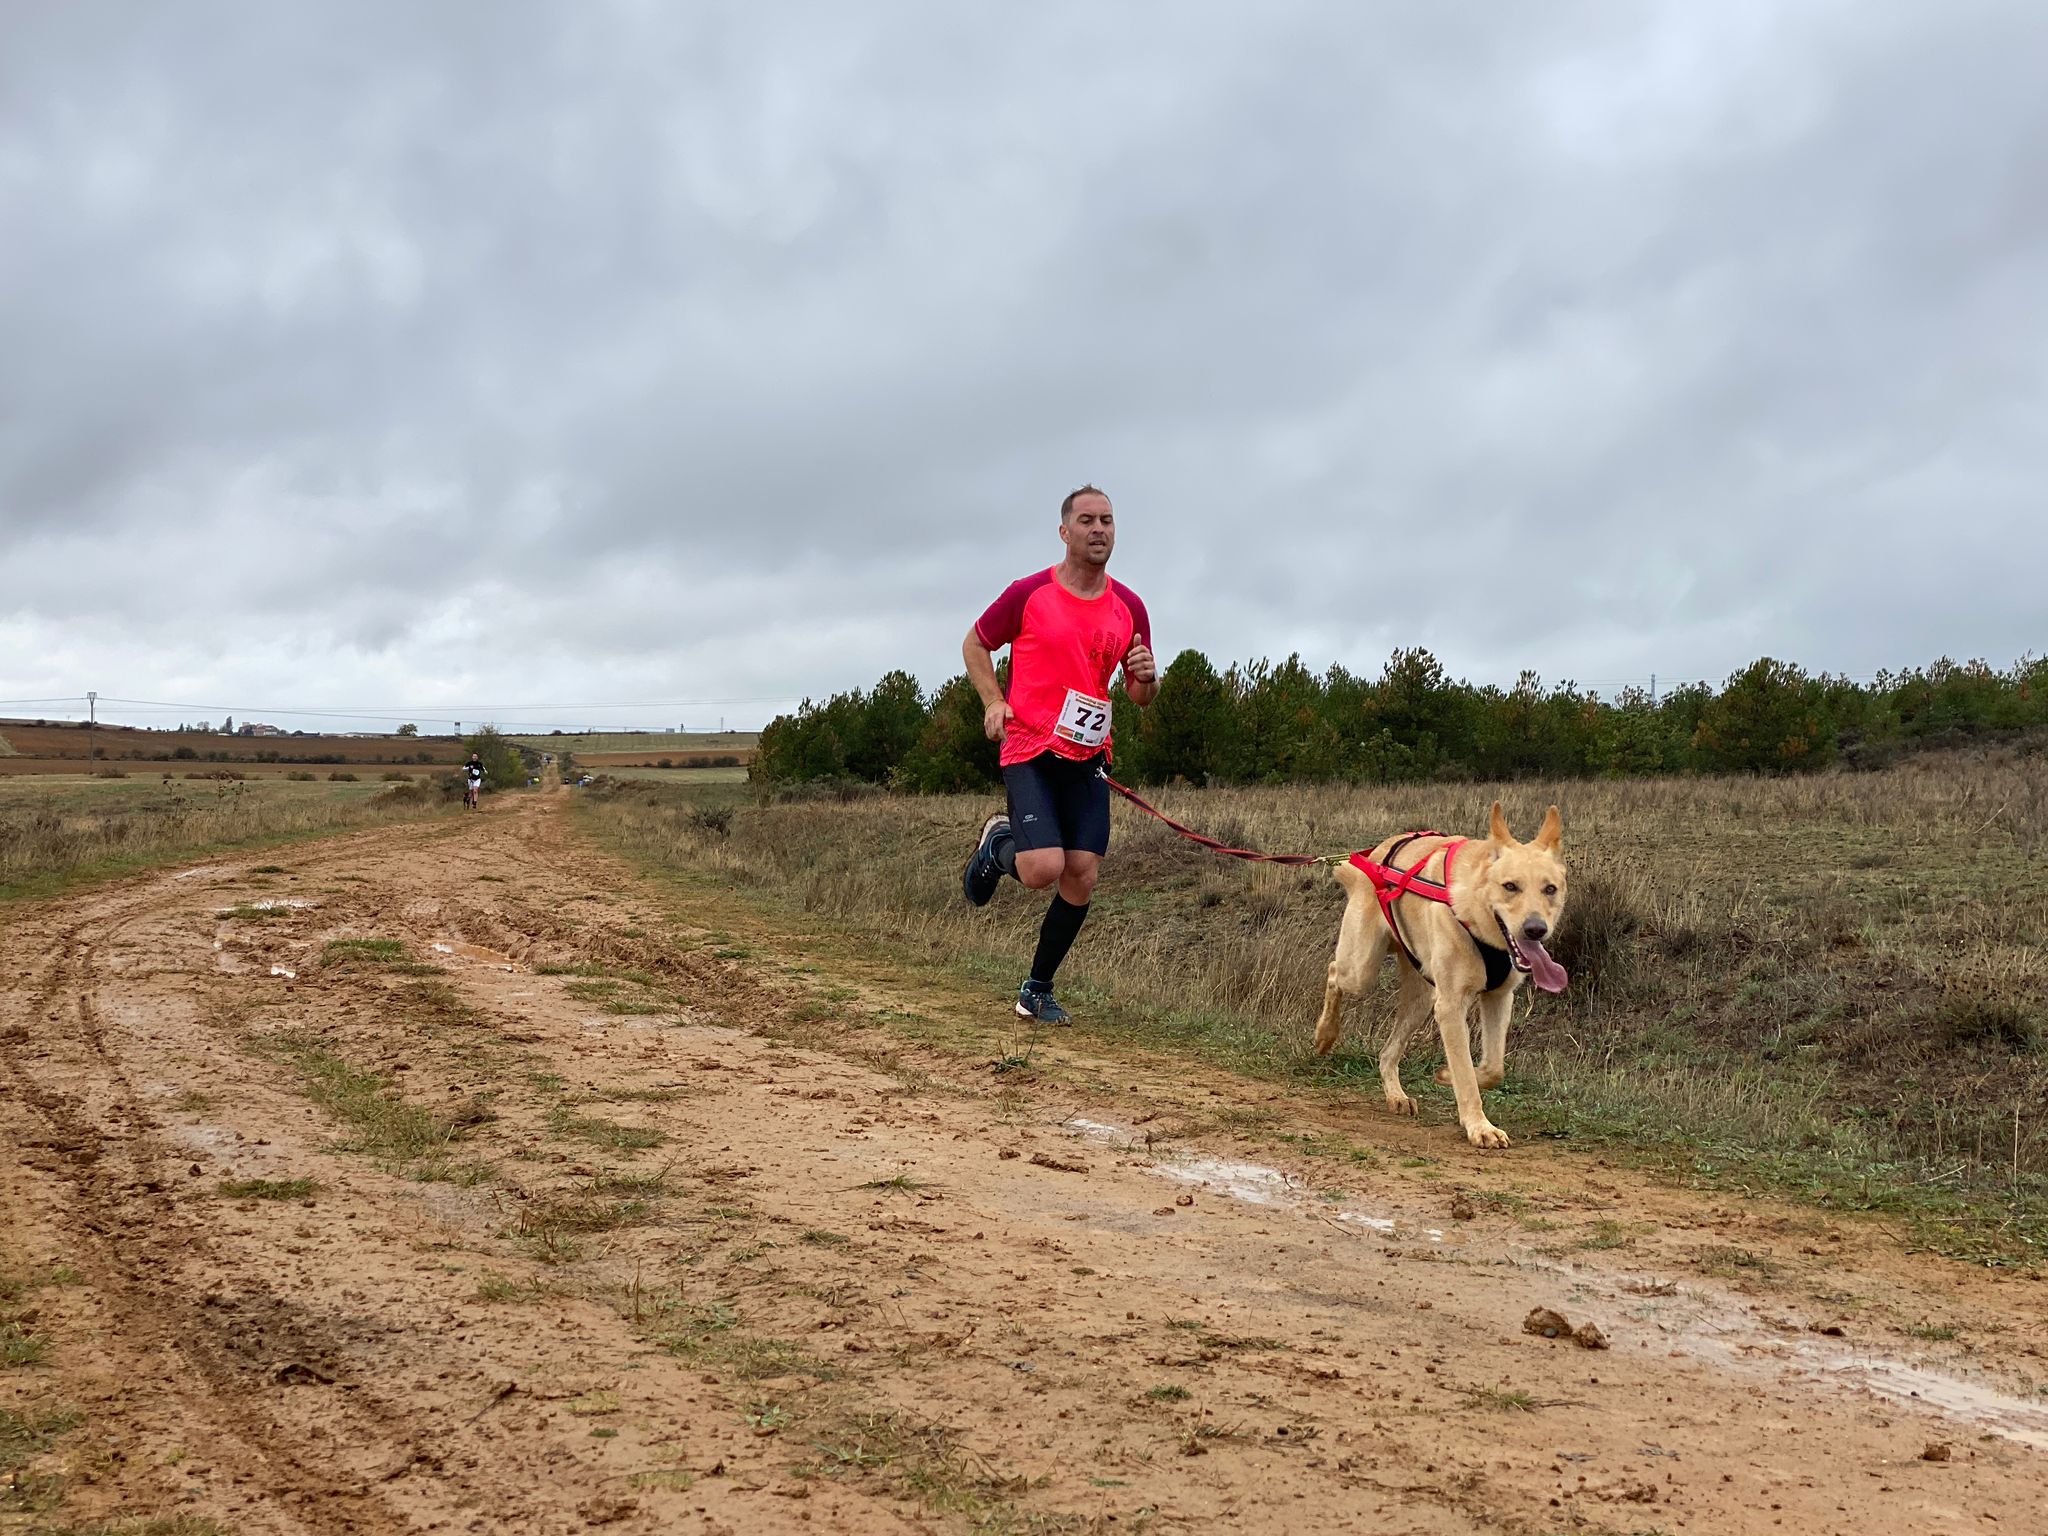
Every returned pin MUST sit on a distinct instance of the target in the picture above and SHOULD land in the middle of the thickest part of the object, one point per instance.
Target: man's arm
(1141, 676)
(981, 671)
(1141, 672)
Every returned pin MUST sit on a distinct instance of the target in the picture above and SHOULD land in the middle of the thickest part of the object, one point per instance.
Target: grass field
(656, 742)
(695, 776)
(186, 768)
(58, 829)
(61, 741)
(1829, 986)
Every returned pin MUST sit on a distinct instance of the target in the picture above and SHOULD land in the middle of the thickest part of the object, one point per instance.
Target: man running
(473, 780)
(1068, 628)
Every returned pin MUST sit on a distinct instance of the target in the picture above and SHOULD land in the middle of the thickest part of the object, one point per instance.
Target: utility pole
(92, 727)
(1653, 690)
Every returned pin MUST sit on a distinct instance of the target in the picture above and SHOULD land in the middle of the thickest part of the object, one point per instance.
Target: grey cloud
(749, 348)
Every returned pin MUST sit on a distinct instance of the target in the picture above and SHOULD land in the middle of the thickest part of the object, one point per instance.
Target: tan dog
(1501, 894)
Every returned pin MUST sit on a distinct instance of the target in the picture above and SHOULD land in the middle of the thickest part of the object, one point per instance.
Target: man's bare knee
(1077, 880)
(1038, 868)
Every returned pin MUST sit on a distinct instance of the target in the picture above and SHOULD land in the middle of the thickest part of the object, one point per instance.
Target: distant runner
(1068, 629)
(472, 780)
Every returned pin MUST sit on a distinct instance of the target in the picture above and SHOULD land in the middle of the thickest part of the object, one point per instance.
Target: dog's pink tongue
(1548, 975)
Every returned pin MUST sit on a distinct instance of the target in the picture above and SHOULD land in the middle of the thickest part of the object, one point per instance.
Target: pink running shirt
(1058, 642)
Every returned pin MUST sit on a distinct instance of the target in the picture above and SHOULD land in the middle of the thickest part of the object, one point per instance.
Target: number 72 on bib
(1084, 720)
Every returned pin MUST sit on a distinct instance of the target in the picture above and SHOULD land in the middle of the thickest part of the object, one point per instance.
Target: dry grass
(607, 1134)
(129, 744)
(28, 1434)
(1834, 982)
(54, 831)
(658, 743)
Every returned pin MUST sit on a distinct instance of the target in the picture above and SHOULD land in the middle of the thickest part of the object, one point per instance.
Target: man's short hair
(1067, 506)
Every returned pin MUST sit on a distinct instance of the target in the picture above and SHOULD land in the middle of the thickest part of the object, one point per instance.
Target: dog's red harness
(1390, 883)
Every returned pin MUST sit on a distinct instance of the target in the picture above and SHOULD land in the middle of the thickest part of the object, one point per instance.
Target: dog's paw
(1486, 1134)
(1400, 1104)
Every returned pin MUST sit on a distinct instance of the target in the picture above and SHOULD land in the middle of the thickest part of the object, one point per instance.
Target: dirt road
(695, 1240)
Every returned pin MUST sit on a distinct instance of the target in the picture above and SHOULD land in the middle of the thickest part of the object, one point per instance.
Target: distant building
(257, 728)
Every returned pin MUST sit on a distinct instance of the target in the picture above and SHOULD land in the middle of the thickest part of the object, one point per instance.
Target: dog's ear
(1551, 837)
(1497, 826)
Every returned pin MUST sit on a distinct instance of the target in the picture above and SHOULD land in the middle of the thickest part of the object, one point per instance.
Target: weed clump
(1594, 942)
(401, 1135)
(608, 1134)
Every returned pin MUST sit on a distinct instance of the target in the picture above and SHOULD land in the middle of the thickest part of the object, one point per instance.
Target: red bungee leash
(1211, 843)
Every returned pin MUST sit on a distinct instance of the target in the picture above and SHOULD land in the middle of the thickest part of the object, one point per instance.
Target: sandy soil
(861, 1288)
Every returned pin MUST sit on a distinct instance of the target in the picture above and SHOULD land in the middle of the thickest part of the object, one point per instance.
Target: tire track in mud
(861, 1292)
(298, 1394)
(129, 1236)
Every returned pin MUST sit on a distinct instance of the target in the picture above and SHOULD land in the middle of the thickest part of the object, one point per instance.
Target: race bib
(1083, 720)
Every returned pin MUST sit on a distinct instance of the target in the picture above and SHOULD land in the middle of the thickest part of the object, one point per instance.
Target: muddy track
(173, 1312)
(706, 1245)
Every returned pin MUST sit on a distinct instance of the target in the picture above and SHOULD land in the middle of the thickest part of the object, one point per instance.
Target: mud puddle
(475, 954)
(1701, 1321)
(1251, 1183)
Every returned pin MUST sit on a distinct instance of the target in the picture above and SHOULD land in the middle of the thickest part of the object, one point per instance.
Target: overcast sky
(509, 359)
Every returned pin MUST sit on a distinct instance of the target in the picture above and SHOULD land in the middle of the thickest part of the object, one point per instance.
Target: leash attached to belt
(1211, 843)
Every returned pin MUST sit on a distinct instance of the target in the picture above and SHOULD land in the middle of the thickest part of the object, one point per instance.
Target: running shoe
(983, 874)
(1035, 1001)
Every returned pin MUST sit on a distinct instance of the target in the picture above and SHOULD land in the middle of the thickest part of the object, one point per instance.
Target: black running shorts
(1056, 802)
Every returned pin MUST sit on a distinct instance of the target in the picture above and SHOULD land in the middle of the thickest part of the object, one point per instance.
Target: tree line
(1263, 722)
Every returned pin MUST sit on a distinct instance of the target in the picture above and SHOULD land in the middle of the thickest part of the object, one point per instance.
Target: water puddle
(285, 971)
(201, 1138)
(1981, 1407)
(475, 954)
(1694, 1318)
(1712, 1325)
(268, 904)
(235, 1153)
(1251, 1183)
